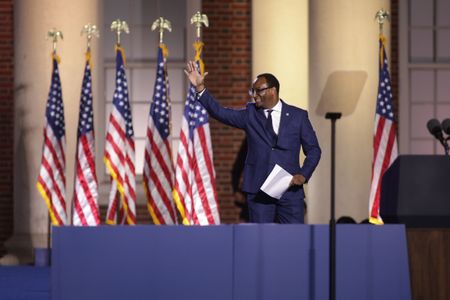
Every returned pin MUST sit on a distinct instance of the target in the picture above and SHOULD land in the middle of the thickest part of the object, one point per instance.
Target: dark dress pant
(287, 210)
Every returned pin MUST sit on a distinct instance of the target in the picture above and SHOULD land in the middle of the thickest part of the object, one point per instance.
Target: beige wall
(303, 42)
(32, 80)
(280, 46)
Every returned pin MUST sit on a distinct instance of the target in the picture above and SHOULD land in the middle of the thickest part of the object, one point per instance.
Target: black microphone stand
(333, 116)
(445, 144)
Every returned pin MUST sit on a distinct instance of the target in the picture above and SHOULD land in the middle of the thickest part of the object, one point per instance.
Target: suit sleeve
(311, 148)
(232, 117)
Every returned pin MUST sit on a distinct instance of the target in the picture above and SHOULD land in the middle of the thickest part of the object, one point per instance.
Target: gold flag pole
(54, 34)
(118, 26)
(198, 19)
(90, 31)
(381, 16)
(162, 24)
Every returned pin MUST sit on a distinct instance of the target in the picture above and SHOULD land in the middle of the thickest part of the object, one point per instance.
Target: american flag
(195, 188)
(158, 165)
(51, 182)
(385, 149)
(85, 198)
(119, 150)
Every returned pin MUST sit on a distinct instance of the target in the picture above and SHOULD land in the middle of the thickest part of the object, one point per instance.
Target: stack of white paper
(277, 182)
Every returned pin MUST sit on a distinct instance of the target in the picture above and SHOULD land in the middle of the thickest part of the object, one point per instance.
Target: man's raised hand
(196, 79)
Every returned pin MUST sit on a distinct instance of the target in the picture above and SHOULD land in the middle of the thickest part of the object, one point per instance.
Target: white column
(344, 36)
(280, 46)
(32, 80)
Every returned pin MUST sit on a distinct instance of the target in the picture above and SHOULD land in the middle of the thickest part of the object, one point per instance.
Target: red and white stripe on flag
(158, 165)
(119, 153)
(115, 213)
(51, 182)
(385, 149)
(85, 199)
(195, 191)
(195, 188)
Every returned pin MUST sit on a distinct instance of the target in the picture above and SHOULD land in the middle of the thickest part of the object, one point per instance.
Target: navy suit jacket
(295, 133)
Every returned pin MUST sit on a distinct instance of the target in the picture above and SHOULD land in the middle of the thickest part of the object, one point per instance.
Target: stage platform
(25, 282)
(246, 261)
(216, 262)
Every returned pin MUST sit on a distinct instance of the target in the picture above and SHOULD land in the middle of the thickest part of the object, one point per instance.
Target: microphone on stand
(446, 127)
(435, 128)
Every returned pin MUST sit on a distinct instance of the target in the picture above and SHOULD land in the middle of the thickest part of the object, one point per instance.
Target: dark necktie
(269, 127)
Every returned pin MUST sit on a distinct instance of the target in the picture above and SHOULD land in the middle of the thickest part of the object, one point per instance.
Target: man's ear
(273, 90)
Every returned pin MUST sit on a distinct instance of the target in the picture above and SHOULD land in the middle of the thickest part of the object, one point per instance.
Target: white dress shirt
(276, 116)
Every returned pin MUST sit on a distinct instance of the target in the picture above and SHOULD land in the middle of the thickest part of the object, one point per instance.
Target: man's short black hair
(272, 81)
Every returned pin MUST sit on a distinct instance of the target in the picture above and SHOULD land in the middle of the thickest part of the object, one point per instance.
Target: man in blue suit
(276, 131)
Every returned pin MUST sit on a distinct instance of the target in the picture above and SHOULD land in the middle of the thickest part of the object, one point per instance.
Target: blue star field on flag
(384, 103)
(120, 98)
(86, 118)
(160, 110)
(194, 112)
(55, 108)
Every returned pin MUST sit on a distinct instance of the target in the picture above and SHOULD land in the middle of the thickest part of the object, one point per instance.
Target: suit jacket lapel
(261, 116)
(285, 118)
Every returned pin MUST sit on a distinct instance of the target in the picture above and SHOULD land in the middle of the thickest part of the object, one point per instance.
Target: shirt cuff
(199, 94)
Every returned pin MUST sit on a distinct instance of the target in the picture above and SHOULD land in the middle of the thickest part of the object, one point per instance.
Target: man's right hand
(239, 197)
(196, 79)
